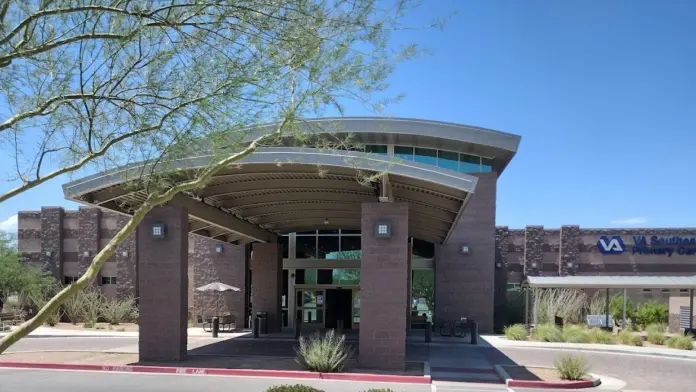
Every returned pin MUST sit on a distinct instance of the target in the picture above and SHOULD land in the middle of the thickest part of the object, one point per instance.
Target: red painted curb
(222, 372)
(551, 384)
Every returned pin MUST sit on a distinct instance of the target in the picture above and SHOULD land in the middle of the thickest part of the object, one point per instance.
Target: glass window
(683, 291)
(356, 307)
(347, 276)
(108, 280)
(376, 149)
(306, 247)
(665, 291)
(646, 290)
(423, 292)
(350, 248)
(328, 247)
(325, 276)
(486, 165)
(331, 231)
(285, 241)
(513, 287)
(448, 160)
(405, 153)
(469, 163)
(423, 249)
(346, 231)
(313, 232)
(69, 279)
(426, 155)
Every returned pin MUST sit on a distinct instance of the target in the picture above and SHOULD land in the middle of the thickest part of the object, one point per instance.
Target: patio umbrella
(217, 287)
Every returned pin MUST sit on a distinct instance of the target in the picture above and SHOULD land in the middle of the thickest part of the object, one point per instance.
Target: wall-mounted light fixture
(465, 249)
(383, 229)
(49, 253)
(570, 264)
(86, 253)
(124, 253)
(326, 221)
(219, 248)
(498, 265)
(158, 230)
(534, 264)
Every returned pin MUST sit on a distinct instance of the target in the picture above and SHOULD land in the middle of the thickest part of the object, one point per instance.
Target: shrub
(40, 300)
(116, 311)
(548, 333)
(516, 332)
(73, 307)
(655, 337)
(564, 303)
(656, 328)
(571, 367)
(630, 339)
(323, 354)
(575, 334)
(597, 335)
(681, 342)
(92, 307)
(380, 390)
(652, 313)
(616, 308)
(293, 388)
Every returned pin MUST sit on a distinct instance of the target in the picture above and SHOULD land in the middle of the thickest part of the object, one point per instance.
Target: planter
(541, 377)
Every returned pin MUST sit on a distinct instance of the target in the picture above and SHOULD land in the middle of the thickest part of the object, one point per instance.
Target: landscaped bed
(541, 377)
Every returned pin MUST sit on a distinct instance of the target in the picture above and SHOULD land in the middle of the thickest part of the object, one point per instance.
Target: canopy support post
(691, 310)
(606, 311)
(526, 308)
(536, 307)
(623, 318)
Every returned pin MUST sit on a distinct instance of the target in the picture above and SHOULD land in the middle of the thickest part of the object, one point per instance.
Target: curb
(610, 351)
(511, 383)
(222, 372)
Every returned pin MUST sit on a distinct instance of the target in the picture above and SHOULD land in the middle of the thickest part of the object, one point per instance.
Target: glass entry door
(311, 306)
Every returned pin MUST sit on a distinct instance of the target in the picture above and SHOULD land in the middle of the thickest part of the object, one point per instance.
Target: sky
(602, 93)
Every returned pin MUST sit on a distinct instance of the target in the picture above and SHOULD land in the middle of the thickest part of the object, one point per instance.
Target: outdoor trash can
(262, 318)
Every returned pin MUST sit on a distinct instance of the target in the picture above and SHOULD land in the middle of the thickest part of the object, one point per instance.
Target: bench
(10, 319)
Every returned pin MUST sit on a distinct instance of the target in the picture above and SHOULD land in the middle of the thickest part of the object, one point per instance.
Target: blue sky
(602, 93)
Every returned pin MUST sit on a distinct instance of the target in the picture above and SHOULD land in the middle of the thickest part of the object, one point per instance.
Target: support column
(267, 283)
(569, 254)
(163, 284)
(52, 240)
(533, 250)
(384, 276)
(87, 239)
(228, 267)
(127, 263)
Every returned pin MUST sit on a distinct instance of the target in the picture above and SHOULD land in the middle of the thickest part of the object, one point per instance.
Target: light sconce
(124, 253)
(383, 229)
(534, 264)
(86, 253)
(157, 230)
(326, 221)
(465, 249)
(498, 265)
(219, 248)
(570, 264)
(49, 253)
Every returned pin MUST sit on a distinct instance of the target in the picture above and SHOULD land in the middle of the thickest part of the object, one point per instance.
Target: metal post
(298, 326)
(428, 331)
(339, 327)
(474, 332)
(606, 311)
(526, 308)
(623, 319)
(215, 326)
(691, 310)
(255, 327)
(536, 307)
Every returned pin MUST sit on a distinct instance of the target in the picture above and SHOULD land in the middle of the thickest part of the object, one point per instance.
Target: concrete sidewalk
(51, 332)
(500, 342)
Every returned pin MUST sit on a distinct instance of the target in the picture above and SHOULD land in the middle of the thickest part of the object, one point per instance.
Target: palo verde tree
(99, 84)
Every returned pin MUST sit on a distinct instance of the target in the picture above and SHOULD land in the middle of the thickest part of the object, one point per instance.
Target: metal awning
(612, 282)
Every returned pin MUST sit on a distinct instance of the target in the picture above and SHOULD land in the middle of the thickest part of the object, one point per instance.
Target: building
(321, 246)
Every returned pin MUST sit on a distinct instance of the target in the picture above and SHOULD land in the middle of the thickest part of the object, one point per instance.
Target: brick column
(533, 250)
(163, 281)
(465, 283)
(384, 277)
(569, 254)
(228, 267)
(502, 235)
(87, 239)
(267, 283)
(127, 263)
(52, 240)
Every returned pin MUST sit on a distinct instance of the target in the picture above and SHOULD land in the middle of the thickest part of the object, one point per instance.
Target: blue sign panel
(648, 245)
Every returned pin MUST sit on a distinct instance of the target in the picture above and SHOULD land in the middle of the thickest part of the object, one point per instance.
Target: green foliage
(629, 338)
(92, 307)
(327, 353)
(380, 390)
(116, 311)
(656, 328)
(516, 332)
(39, 300)
(575, 334)
(600, 336)
(74, 307)
(424, 287)
(656, 337)
(572, 367)
(681, 342)
(565, 303)
(548, 333)
(293, 388)
(19, 278)
(616, 308)
(652, 313)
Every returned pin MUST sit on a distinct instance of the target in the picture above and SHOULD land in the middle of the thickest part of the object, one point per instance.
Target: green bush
(323, 354)
(597, 335)
(655, 337)
(548, 333)
(656, 328)
(681, 342)
(571, 367)
(73, 306)
(293, 388)
(116, 311)
(616, 308)
(380, 390)
(575, 334)
(630, 339)
(516, 332)
(652, 313)
(91, 307)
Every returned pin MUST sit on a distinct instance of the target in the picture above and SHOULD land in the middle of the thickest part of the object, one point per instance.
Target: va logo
(613, 245)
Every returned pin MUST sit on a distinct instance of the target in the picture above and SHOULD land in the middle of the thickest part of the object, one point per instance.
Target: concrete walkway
(51, 332)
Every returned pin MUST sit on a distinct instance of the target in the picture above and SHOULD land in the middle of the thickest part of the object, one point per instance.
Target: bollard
(255, 327)
(474, 332)
(215, 326)
(428, 331)
(298, 327)
(339, 327)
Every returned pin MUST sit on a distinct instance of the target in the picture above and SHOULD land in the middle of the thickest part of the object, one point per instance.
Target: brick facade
(163, 281)
(127, 263)
(267, 282)
(87, 239)
(384, 287)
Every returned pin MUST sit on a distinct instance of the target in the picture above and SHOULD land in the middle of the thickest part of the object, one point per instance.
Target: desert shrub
(40, 300)
(564, 303)
(652, 313)
(597, 303)
(92, 307)
(656, 328)
(548, 333)
(575, 334)
(323, 354)
(630, 339)
(681, 342)
(73, 307)
(656, 337)
(616, 308)
(572, 367)
(597, 335)
(293, 388)
(380, 390)
(516, 332)
(116, 311)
